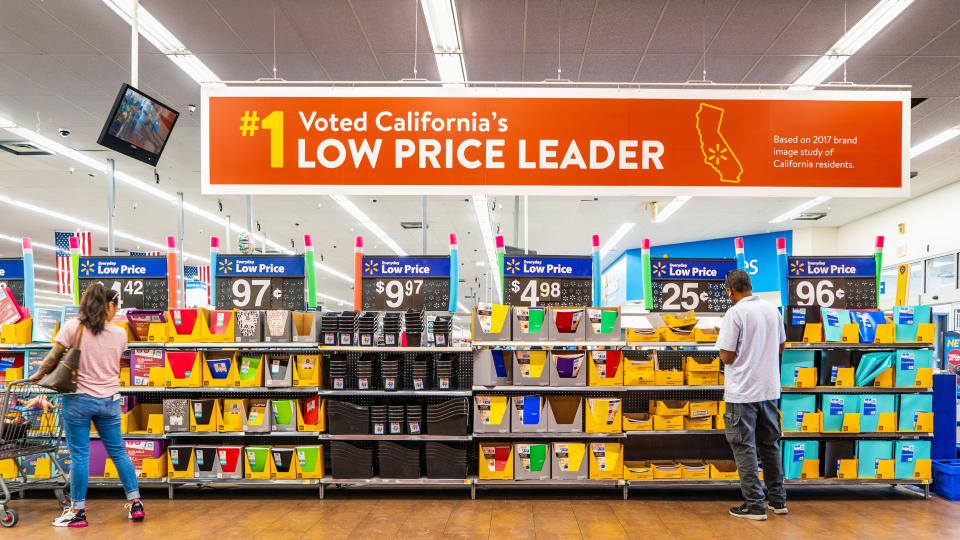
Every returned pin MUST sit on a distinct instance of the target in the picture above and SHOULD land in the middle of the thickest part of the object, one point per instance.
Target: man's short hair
(739, 281)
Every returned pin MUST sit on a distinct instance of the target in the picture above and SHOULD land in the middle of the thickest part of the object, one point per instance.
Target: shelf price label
(836, 282)
(690, 284)
(260, 282)
(140, 281)
(401, 283)
(534, 280)
(11, 277)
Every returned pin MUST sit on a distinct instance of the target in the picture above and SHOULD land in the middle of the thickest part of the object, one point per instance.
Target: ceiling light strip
(671, 208)
(935, 141)
(617, 236)
(795, 212)
(444, 29)
(364, 220)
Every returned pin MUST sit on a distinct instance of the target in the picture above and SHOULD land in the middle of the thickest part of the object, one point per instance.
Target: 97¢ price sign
(260, 282)
(837, 282)
(535, 280)
(401, 283)
(690, 284)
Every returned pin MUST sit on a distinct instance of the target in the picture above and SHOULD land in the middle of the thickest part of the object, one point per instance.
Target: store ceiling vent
(24, 148)
(810, 216)
(411, 224)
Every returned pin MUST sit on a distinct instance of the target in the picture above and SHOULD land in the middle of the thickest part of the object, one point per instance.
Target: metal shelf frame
(856, 390)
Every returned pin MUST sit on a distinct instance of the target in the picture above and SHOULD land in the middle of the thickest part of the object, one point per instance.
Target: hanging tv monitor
(138, 126)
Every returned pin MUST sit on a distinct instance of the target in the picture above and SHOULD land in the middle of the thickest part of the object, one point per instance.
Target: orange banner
(554, 141)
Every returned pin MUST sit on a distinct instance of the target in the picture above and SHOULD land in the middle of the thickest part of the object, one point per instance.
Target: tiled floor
(872, 513)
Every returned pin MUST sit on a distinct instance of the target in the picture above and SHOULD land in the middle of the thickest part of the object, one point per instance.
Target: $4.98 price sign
(533, 291)
(534, 280)
(260, 282)
(690, 284)
(401, 283)
(837, 282)
(141, 281)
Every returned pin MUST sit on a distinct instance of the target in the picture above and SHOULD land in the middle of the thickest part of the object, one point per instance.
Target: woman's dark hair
(93, 306)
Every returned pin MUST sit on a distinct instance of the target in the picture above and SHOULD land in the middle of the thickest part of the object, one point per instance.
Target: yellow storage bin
(700, 409)
(702, 423)
(723, 470)
(639, 368)
(668, 378)
(702, 364)
(605, 369)
(667, 423)
(669, 407)
(637, 470)
(603, 415)
(667, 470)
(695, 470)
(496, 461)
(701, 378)
(606, 460)
(637, 422)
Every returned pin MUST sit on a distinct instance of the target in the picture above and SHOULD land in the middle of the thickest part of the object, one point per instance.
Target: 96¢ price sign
(690, 284)
(260, 282)
(401, 283)
(837, 282)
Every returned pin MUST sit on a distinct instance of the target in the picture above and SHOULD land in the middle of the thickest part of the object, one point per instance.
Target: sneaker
(135, 510)
(779, 510)
(743, 512)
(71, 518)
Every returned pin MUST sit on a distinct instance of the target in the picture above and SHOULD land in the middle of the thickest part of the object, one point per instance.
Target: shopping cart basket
(31, 426)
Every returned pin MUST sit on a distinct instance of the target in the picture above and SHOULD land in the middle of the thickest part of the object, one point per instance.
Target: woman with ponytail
(97, 399)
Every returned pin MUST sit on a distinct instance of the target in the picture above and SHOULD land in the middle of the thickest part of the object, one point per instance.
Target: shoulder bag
(63, 377)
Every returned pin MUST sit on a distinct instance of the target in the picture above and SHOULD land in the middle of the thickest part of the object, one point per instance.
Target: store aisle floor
(835, 513)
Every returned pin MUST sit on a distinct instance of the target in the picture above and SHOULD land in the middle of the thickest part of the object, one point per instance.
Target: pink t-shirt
(99, 373)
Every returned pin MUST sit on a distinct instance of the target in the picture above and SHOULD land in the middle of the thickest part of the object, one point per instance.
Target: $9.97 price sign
(534, 280)
(260, 282)
(690, 284)
(401, 283)
(141, 281)
(837, 282)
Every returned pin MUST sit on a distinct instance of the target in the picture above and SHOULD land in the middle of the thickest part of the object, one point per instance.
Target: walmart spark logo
(659, 269)
(86, 268)
(797, 268)
(225, 266)
(513, 266)
(371, 267)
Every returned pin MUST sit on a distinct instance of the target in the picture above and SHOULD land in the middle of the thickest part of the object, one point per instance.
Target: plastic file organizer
(307, 370)
(878, 412)
(309, 461)
(531, 461)
(205, 415)
(798, 368)
(234, 413)
(914, 368)
(176, 415)
(345, 418)
(445, 372)
(799, 411)
(220, 369)
(530, 368)
(143, 418)
(397, 460)
(528, 414)
(181, 461)
(492, 367)
(529, 324)
(606, 460)
(414, 414)
(205, 460)
(638, 368)
(916, 412)
(496, 461)
(568, 461)
(347, 328)
(911, 459)
(221, 327)
(311, 414)
(566, 323)
(284, 414)
(907, 321)
(603, 415)
(279, 370)
(183, 369)
(277, 325)
(490, 414)
(366, 366)
(491, 322)
(694, 469)
(390, 372)
(350, 461)
(259, 417)
(567, 368)
(445, 460)
(448, 418)
(605, 368)
(421, 372)
(257, 462)
(284, 463)
(229, 462)
(666, 470)
(328, 328)
(875, 459)
(603, 324)
(565, 414)
(250, 370)
(338, 372)
(841, 413)
(833, 322)
(836, 368)
(801, 459)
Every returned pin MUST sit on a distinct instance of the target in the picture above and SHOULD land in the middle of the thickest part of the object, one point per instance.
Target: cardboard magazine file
(181, 464)
(840, 413)
(705, 335)
(813, 333)
(637, 422)
(637, 470)
(603, 324)
(277, 326)
(248, 326)
(146, 368)
(694, 470)
(37, 466)
(916, 413)
(312, 414)
(205, 415)
(307, 369)
(221, 327)
(527, 414)
(259, 417)
(495, 461)
(257, 462)
(176, 415)
(693, 424)
(875, 459)
(702, 409)
(701, 378)
(643, 335)
(491, 322)
(912, 324)
(229, 462)
(285, 414)
(17, 333)
(912, 459)
(565, 414)
(220, 369)
(568, 461)
(284, 463)
(603, 415)
(306, 326)
(567, 323)
(529, 323)
(234, 415)
(605, 368)
(914, 368)
(798, 368)
(639, 367)
(798, 413)
(801, 459)
(718, 421)
(568, 368)
(530, 368)
(667, 422)
(606, 460)
(11, 365)
(205, 461)
(8, 469)
(669, 407)
(666, 470)
(187, 325)
(885, 379)
(250, 370)
(723, 469)
(309, 461)
(878, 413)
(183, 369)
(491, 414)
(531, 461)
(143, 418)
(279, 370)
(492, 367)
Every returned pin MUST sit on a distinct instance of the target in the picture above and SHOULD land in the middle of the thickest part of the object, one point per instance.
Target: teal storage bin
(907, 454)
(910, 405)
(792, 407)
(907, 318)
(871, 406)
(795, 453)
(793, 359)
(868, 453)
(908, 362)
(834, 406)
(833, 321)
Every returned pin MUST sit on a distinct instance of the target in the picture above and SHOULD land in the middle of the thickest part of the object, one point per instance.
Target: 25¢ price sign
(401, 283)
(690, 284)
(260, 282)
(837, 282)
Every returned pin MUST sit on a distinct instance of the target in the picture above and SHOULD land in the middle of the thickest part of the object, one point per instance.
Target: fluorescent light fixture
(45, 281)
(671, 207)
(934, 141)
(481, 209)
(617, 236)
(444, 29)
(852, 41)
(358, 214)
(451, 70)
(41, 291)
(334, 298)
(43, 267)
(795, 212)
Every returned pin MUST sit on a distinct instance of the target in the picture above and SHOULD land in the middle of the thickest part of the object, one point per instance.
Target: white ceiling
(62, 61)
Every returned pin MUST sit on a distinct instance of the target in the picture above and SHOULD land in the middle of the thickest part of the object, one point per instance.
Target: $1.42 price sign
(141, 281)
(690, 284)
(837, 282)
(534, 280)
(260, 282)
(401, 283)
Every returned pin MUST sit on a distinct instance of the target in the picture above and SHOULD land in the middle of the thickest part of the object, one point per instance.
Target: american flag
(198, 273)
(145, 254)
(64, 273)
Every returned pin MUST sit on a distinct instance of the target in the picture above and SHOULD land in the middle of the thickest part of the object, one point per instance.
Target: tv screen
(138, 125)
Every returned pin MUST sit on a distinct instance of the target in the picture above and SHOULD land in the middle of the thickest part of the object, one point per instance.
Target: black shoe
(743, 512)
(135, 510)
(71, 518)
(779, 510)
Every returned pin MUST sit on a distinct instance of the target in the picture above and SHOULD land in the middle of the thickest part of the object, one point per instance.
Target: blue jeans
(78, 411)
(753, 430)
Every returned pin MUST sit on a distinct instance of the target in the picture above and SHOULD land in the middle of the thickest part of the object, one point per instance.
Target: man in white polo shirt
(750, 342)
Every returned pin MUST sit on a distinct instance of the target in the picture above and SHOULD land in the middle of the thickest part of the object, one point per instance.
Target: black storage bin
(420, 373)
(413, 326)
(395, 418)
(392, 328)
(445, 372)
(345, 418)
(366, 368)
(347, 328)
(350, 461)
(449, 417)
(390, 372)
(445, 460)
(367, 326)
(378, 419)
(339, 372)
(328, 328)
(414, 419)
(398, 460)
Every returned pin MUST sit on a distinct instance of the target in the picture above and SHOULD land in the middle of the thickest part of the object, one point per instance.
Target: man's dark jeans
(754, 429)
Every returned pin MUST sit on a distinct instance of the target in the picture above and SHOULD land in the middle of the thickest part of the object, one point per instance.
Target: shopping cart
(30, 428)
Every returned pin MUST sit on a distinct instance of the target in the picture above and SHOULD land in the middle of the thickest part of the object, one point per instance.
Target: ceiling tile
(328, 27)
(947, 84)
(360, 67)
(947, 44)
(96, 22)
(917, 71)
(545, 19)
(682, 28)
(623, 26)
(48, 72)
(868, 69)
(609, 67)
(764, 19)
(400, 66)
(491, 26)
(197, 25)
(819, 26)
(539, 67)
(915, 27)
(779, 69)
(725, 68)
(296, 66)
(11, 43)
(669, 68)
(495, 67)
(252, 20)
(32, 24)
(237, 67)
(390, 26)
